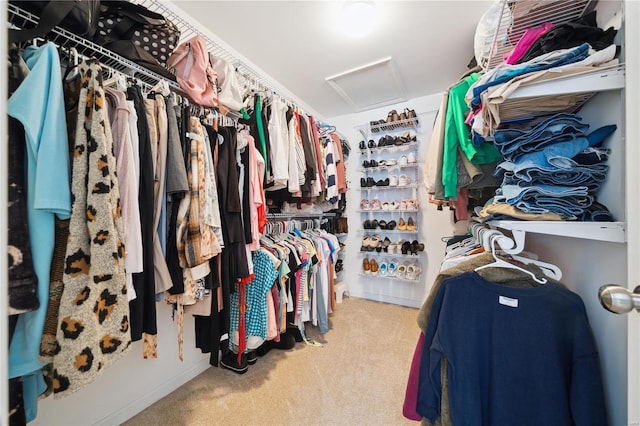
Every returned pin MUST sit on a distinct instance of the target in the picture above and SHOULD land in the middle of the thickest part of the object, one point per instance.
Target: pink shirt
(526, 41)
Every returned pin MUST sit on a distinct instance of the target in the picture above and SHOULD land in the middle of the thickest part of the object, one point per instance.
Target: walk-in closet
(320, 212)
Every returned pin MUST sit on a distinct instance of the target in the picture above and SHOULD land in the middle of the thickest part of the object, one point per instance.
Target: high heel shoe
(402, 226)
(385, 244)
(411, 225)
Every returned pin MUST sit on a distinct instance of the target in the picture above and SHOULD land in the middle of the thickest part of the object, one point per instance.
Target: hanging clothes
(127, 182)
(48, 196)
(143, 308)
(93, 325)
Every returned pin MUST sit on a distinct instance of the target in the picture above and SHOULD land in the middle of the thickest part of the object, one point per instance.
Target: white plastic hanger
(499, 263)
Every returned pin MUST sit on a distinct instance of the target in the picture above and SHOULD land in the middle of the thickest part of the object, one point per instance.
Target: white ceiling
(299, 43)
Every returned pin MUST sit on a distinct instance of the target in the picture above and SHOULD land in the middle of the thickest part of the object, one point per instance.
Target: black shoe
(366, 164)
(362, 145)
(230, 362)
(252, 357)
(371, 182)
(363, 183)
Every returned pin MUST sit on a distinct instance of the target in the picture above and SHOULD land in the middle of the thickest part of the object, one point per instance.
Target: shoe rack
(389, 206)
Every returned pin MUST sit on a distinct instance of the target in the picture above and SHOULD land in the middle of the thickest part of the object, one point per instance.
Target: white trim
(386, 298)
(632, 135)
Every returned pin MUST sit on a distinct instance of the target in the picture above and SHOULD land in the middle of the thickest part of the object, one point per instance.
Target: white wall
(433, 224)
(132, 383)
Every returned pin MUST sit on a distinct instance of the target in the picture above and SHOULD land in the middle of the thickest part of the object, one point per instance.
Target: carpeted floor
(357, 377)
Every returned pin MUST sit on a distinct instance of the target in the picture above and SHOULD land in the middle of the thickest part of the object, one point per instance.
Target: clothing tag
(507, 301)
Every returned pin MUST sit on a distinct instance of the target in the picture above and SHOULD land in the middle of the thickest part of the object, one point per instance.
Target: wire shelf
(65, 39)
(189, 28)
(519, 15)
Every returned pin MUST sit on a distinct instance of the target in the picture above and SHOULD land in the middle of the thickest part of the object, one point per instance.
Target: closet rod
(66, 39)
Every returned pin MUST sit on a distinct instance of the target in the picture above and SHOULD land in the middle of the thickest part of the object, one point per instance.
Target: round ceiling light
(358, 18)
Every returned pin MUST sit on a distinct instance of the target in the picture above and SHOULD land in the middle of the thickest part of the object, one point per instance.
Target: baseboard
(411, 303)
(133, 408)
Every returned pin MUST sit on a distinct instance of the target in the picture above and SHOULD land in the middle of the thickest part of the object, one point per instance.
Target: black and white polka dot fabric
(159, 37)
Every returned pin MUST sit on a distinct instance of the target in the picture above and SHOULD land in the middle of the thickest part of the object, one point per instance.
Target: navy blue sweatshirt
(516, 356)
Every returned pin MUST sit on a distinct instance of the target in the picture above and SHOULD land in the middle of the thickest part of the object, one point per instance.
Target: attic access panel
(370, 86)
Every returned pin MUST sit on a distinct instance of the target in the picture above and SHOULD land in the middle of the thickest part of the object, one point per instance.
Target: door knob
(618, 299)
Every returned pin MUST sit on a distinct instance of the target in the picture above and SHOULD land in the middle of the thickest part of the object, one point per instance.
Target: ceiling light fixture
(358, 18)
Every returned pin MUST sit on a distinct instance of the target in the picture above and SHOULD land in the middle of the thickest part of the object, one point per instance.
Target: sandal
(393, 267)
(383, 268)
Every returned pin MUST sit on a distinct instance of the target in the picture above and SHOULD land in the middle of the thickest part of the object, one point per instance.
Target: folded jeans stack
(553, 167)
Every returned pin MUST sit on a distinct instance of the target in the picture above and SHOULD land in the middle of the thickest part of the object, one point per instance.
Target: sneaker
(393, 180)
(411, 158)
(230, 362)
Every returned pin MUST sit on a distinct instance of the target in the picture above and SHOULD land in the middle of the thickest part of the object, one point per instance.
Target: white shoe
(411, 158)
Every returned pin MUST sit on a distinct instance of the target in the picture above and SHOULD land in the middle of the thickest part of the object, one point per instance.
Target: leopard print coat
(93, 323)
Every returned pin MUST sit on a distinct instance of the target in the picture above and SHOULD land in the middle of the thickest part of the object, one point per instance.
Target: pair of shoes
(368, 182)
(230, 362)
(369, 163)
(288, 340)
(370, 266)
(407, 138)
(410, 204)
(391, 225)
(370, 224)
(340, 265)
(409, 271)
(409, 225)
(362, 145)
(383, 182)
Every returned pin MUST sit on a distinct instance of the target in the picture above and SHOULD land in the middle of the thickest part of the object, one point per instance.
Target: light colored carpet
(357, 378)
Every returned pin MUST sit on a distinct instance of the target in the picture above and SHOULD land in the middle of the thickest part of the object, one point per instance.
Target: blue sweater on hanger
(516, 356)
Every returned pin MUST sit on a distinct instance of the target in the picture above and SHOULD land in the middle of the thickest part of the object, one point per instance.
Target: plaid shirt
(196, 240)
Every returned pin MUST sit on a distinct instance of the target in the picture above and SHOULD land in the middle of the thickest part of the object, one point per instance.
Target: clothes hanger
(500, 263)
